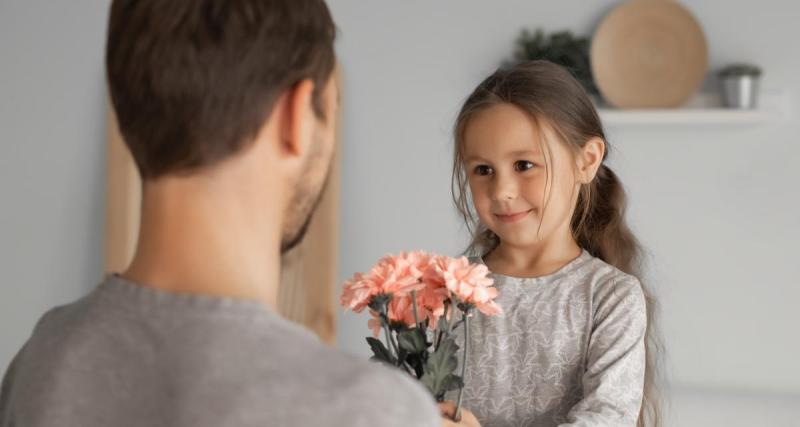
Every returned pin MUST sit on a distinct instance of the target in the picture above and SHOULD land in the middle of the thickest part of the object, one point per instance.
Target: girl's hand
(448, 410)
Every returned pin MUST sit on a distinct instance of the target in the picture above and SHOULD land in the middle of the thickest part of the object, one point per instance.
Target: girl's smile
(513, 217)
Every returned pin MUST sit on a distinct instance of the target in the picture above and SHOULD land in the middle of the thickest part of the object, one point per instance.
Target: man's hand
(448, 409)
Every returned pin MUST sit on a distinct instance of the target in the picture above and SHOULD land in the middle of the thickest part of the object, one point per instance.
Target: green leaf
(453, 382)
(440, 367)
(381, 353)
(561, 47)
(401, 356)
(442, 324)
(413, 341)
(417, 362)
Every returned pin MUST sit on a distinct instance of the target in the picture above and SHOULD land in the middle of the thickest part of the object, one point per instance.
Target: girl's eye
(523, 165)
(483, 170)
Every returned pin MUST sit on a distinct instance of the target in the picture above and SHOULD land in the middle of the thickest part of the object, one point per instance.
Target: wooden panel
(308, 283)
(308, 286)
(123, 200)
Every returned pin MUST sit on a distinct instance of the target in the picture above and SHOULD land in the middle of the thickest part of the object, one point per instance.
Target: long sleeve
(614, 378)
(567, 351)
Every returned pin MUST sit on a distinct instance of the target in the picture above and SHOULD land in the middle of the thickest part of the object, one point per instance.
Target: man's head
(194, 82)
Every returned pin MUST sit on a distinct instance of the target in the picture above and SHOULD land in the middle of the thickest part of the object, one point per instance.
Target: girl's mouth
(513, 217)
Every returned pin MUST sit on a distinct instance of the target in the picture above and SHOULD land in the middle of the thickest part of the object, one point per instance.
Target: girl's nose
(505, 188)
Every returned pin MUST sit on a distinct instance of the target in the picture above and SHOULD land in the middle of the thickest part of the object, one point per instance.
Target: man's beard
(304, 203)
(290, 241)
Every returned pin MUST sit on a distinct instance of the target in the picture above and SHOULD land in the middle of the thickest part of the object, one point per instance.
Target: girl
(573, 347)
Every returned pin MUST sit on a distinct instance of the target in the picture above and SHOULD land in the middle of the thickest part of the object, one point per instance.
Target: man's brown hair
(192, 81)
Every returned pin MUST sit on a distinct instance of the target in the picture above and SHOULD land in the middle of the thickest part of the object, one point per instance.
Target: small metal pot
(739, 92)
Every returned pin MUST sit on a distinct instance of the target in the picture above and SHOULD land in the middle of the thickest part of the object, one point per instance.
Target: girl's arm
(615, 362)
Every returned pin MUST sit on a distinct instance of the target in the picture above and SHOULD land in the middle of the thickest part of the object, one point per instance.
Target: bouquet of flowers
(413, 298)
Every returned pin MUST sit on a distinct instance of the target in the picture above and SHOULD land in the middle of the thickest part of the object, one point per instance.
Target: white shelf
(703, 109)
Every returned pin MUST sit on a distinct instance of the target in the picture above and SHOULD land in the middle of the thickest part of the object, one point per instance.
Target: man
(228, 108)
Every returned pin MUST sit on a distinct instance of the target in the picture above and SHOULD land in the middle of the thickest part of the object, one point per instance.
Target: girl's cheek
(482, 206)
(535, 188)
(479, 195)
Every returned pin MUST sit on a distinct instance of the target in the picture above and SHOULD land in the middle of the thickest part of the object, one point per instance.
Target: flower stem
(395, 346)
(457, 417)
(453, 316)
(414, 299)
(443, 319)
(390, 340)
(384, 313)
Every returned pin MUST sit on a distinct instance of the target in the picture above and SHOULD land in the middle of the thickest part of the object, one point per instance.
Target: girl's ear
(590, 159)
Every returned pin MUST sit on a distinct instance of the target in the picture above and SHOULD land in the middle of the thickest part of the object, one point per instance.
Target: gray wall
(716, 206)
(52, 158)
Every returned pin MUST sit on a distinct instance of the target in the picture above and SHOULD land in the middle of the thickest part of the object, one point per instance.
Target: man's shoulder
(374, 394)
(281, 371)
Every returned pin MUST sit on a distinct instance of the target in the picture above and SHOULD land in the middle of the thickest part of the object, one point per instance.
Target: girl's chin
(516, 239)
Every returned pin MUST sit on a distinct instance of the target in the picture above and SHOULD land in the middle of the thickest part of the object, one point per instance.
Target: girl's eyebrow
(475, 159)
(518, 153)
(522, 153)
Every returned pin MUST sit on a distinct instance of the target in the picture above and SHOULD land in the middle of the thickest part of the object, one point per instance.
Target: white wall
(717, 207)
(52, 158)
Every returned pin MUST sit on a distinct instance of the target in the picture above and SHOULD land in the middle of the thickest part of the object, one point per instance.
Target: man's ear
(297, 118)
(590, 159)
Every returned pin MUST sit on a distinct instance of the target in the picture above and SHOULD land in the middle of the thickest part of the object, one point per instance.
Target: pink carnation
(396, 276)
(400, 310)
(408, 264)
(432, 298)
(471, 284)
(434, 278)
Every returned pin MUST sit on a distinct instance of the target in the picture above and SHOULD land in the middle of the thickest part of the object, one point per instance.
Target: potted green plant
(562, 48)
(739, 85)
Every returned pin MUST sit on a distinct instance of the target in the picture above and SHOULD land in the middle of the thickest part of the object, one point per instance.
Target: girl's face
(508, 158)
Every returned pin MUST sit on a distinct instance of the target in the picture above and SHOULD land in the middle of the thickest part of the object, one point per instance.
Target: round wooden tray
(649, 54)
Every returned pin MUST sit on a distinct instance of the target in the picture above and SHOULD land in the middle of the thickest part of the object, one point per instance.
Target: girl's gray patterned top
(568, 350)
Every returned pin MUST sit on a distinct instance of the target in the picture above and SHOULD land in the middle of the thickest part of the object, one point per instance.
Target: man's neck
(218, 243)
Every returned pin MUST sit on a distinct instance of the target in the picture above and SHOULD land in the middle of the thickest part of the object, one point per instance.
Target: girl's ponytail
(599, 227)
(599, 222)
